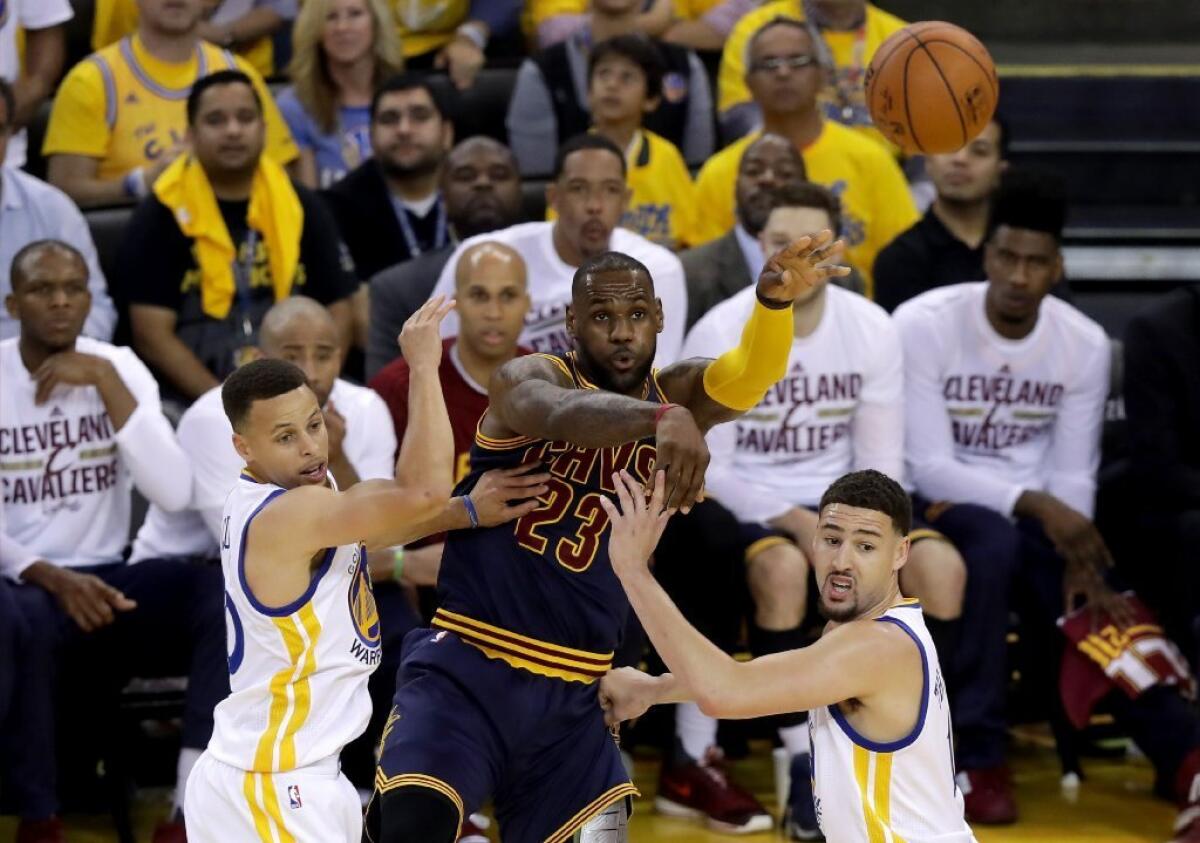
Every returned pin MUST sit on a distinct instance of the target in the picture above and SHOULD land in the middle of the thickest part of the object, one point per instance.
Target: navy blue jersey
(539, 592)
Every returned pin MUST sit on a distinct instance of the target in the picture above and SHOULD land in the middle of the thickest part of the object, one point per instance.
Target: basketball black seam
(912, 130)
(962, 123)
(882, 64)
(989, 76)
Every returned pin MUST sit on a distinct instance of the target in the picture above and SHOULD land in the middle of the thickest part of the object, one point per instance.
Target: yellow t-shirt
(731, 81)
(662, 196)
(876, 204)
(692, 9)
(114, 19)
(126, 107)
(427, 25)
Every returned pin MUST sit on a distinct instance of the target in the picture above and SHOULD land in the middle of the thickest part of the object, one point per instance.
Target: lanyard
(410, 236)
(243, 274)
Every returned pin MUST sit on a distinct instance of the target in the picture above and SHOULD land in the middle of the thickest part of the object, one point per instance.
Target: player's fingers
(610, 509)
(520, 510)
(637, 495)
(622, 494)
(658, 497)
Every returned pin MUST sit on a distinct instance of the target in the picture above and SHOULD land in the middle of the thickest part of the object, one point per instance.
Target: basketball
(931, 87)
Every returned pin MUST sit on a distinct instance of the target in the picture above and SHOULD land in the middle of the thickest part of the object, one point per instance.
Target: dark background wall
(1071, 21)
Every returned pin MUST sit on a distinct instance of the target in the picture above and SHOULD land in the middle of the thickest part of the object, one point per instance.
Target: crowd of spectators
(296, 188)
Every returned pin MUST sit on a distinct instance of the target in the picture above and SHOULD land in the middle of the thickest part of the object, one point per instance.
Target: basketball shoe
(988, 795)
(703, 791)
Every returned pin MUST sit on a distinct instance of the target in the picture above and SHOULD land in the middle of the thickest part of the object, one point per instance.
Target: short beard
(402, 172)
(610, 381)
(837, 615)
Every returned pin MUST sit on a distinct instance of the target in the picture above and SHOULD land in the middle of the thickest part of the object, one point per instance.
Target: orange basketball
(931, 87)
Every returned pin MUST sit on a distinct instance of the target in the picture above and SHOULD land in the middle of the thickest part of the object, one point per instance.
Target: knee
(937, 575)
(778, 577)
(414, 815)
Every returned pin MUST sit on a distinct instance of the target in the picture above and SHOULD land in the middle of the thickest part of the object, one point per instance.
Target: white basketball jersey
(898, 792)
(297, 674)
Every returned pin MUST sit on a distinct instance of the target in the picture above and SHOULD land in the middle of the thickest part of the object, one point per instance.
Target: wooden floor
(1114, 805)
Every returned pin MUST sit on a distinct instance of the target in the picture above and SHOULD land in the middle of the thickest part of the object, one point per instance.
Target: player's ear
(240, 445)
(659, 321)
(902, 549)
(570, 322)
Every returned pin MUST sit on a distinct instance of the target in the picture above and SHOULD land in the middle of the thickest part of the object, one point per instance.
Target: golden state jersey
(897, 792)
(126, 108)
(539, 592)
(298, 673)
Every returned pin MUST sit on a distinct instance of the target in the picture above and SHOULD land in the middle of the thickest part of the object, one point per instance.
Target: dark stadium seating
(533, 199)
(481, 109)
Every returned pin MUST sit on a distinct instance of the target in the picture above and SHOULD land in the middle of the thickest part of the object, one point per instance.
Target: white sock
(695, 730)
(795, 739)
(183, 768)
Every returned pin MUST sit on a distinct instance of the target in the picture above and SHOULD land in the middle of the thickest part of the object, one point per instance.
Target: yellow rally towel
(275, 212)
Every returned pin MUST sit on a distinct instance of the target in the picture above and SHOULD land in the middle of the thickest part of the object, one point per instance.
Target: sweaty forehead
(624, 284)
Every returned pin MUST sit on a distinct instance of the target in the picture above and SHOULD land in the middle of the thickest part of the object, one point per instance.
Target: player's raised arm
(720, 390)
(312, 516)
(852, 662)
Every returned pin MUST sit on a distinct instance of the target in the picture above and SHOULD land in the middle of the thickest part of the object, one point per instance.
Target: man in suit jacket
(718, 269)
(482, 191)
(389, 208)
(1162, 403)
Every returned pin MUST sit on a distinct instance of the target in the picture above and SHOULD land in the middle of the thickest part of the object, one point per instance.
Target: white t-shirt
(990, 417)
(838, 409)
(550, 286)
(207, 436)
(24, 14)
(68, 476)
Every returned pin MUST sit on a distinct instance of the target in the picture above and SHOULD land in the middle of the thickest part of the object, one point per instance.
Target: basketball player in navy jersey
(499, 698)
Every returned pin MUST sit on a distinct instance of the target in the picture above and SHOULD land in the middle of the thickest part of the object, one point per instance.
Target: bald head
(301, 331)
(287, 314)
(493, 299)
(30, 257)
(489, 258)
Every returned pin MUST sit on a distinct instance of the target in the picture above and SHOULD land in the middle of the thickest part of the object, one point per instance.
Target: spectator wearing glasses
(845, 33)
(784, 75)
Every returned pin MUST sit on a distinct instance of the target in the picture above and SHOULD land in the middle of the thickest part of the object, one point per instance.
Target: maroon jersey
(465, 401)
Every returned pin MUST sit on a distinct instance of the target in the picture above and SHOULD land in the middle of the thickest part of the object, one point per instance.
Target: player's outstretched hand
(683, 452)
(801, 265)
(636, 523)
(505, 494)
(626, 694)
(420, 338)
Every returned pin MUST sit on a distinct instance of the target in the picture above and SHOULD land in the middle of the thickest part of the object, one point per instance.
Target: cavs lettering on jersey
(539, 592)
(126, 108)
(298, 673)
(897, 792)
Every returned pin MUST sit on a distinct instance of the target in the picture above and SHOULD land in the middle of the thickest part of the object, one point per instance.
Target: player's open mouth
(316, 473)
(839, 586)
(623, 362)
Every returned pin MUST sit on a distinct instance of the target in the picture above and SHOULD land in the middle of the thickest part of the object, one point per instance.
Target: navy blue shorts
(470, 727)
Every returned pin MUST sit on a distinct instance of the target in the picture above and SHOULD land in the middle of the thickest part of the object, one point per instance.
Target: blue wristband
(469, 505)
